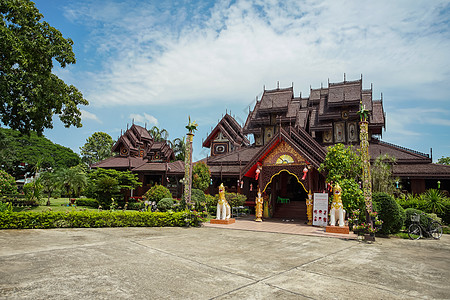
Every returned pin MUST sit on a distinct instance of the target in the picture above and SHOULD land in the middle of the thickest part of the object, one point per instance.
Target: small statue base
(258, 220)
(223, 222)
(337, 229)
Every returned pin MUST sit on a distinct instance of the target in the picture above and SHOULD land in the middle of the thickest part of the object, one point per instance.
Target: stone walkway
(214, 263)
(280, 226)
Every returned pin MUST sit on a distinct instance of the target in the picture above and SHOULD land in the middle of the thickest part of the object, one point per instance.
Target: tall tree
(382, 180)
(20, 153)
(98, 147)
(158, 134)
(29, 93)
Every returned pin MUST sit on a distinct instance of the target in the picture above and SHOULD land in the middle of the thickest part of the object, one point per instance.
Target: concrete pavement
(215, 263)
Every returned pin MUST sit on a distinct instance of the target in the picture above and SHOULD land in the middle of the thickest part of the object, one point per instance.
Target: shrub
(435, 201)
(7, 183)
(390, 212)
(136, 205)
(201, 176)
(411, 211)
(411, 201)
(5, 207)
(156, 193)
(95, 219)
(352, 195)
(87, 202)
(165, 204)
(211, 203)
(19, 200)
(234, 199)
(199, 199)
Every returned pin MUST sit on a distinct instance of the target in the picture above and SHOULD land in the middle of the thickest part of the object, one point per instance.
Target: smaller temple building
(153, 161)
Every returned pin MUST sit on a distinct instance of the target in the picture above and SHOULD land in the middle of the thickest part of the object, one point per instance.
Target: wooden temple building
(291, 135)
(152, 161)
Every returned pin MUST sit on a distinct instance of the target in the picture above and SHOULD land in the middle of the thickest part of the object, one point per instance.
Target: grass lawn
(59, 204)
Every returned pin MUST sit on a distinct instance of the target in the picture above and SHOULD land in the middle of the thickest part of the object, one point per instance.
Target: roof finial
(321, 85)
(300, 95)
(381, 97)
(264, 87)
(328, 81)
(371, 86)
(226, 110)
(344, 77)
(361, 76)
(132, 121)
(145, 125)
(278, 85)
(292, 84)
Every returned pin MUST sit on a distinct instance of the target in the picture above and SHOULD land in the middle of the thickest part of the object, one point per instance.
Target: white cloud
(194, 56)
(85, 115)
(144, 119)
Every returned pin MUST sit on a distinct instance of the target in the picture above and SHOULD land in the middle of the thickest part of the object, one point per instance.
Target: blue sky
(159, 61)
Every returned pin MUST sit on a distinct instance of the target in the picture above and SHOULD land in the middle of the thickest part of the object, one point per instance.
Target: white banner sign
(320, 209)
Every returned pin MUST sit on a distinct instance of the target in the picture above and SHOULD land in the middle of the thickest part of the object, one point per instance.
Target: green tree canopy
(98, 147)
(22, 152)
(444, 160)
(107, 183)
(7, 183)
(381, 169)
(29, 93)
(343, 165)
(341, 162)
(201, 176)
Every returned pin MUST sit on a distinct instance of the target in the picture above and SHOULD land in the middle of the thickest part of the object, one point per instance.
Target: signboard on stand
(320, 209)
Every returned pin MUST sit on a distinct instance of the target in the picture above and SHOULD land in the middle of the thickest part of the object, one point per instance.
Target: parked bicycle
(416, 230)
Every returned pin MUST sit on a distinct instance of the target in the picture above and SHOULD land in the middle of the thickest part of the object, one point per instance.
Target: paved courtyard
(216, 263)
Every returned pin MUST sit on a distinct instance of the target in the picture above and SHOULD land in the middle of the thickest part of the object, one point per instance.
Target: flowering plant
(373, 214)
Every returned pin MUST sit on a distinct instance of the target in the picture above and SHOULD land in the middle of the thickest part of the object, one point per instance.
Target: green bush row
(18, 200)
(94, 219)
(87, 202)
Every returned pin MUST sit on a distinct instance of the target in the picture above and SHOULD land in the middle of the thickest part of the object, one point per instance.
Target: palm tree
(49, 181)
(179, 147)
(158, 135)
(73, 180)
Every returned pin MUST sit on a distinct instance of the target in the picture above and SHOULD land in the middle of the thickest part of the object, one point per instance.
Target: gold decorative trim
(283, 148)
(284, 170)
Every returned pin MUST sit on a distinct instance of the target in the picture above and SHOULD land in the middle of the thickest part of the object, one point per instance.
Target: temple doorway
(287, 197)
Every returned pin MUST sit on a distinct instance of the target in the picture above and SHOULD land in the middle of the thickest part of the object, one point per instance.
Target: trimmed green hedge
(18, 200)
(87, 202)
(93, 219)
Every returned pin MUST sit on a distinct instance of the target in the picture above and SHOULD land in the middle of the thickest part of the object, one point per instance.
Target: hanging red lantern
(305, 171)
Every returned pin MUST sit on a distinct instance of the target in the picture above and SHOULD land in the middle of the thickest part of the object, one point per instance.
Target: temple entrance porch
(287, 196)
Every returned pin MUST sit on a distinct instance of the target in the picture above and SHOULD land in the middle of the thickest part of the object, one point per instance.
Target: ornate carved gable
(283, 153)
